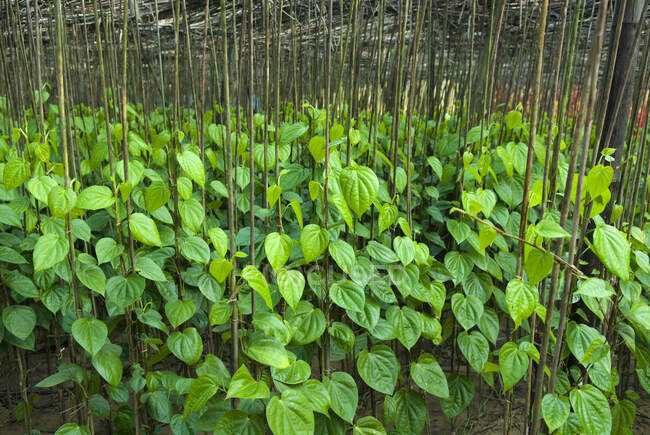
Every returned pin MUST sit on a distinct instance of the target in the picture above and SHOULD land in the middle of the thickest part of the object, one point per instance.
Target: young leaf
(91, 334)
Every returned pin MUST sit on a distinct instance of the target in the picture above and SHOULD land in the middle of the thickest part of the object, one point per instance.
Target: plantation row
(172, 313)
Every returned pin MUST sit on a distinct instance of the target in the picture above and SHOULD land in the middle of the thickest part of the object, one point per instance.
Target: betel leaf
(192, 167)
(90, 333)
(343, 208)
(343, 255)
(144, 229)
(278, 249)
(219, 240)
(317, 395)
(290, 414)
(348, 295)
(381, 253)
(467, 310)
(50, 250)
(344, 395)
(410, 411)
(238, 422)
(72, 429)
(291, 284)
(92, 277)
(220, 269)
(406, 323)
(297, 373)
(201, 390)
(313, 241)
(359, 186)
(124, 291)
(243, 386)
(538, 265)
(156, 195)
(461, 393)
(267, 350)
(107, 249)
(555, 410)
(458, 229)
(195, 249)
(405, 249)
(592, 409)
(20, 320)
(612, 248)
(187, 346)
(258, 283)
(427, 374)
(368, 425)
(522, 298)
(178, 311)
(148, 269)
(379, 368)
(107, 363)
(513, 364)
(475, 348)
(95, 198)
(61, 201)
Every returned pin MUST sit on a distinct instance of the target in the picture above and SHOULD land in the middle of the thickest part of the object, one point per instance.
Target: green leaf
(238, 422)
(623, 416)
(220, 269)
(291, 284)
(344, 395)
(313, 242)
(9, 217)
(278, 249)
(65, 372)
(407, 324)
(317, 395)
(192, 214)
(243, 386)
(50, 250)
(8, 255)
(187, 346)
(522, 298)
(458, 265)
(475, 348)
(595, 288)
(348, 295)
(343, 254)
(258, 283)
(124, 291)
(144, 229)
(202, 389)
(343, 208)
(192, 167)
(92, 277)
(513, 364)
(538, 265)
(379, 368)
(405, 249)
(95, 198)
(461, 392)
(368, 425)
(555, 410)
(91, 334)
(219, 240)
(178, 312)
(195, 249)
(359, 186)
(550, 229)
(458, 229)
(290, 414)
(147, 268)
(108, 365)
(381, 253)
(20, 320)
(20, 284)
(107, 249)
(297, 373)
(467, 310)
(592, 409)
(427, 374)
(61, 201)
(16, 171)
(156, 196)
(410, 412)
(72, 429)
(613, 250)
(267, 350)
